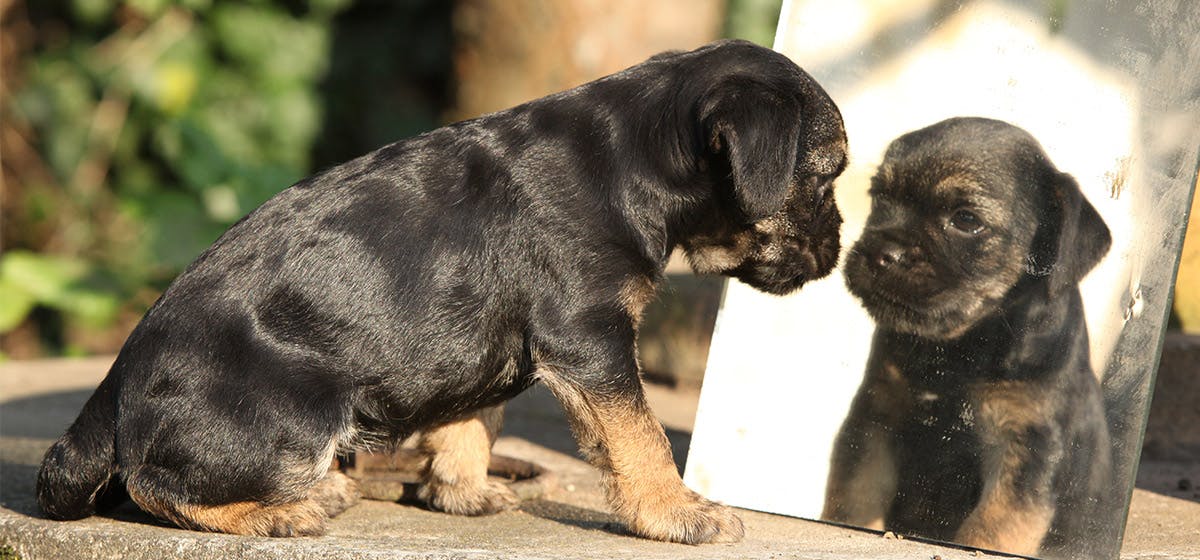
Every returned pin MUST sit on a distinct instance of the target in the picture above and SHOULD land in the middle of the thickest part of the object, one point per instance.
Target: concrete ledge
(41, 398)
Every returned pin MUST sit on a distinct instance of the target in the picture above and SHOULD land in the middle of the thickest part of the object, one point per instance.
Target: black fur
(439, 274)
(979, 375)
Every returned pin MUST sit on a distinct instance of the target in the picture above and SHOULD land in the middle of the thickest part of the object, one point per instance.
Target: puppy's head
(773, 141)
(964, 214)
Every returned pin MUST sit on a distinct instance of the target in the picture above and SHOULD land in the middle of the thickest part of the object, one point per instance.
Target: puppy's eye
(966, 221)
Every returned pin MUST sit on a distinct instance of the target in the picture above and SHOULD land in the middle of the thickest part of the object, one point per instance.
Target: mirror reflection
(979, 419)
(977, 369)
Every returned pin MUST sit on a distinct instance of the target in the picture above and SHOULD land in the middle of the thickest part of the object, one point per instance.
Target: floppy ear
(1072, 237)
(758, 132)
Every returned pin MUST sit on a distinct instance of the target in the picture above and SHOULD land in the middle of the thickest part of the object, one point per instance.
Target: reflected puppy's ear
(1072, 237)
(758, 131)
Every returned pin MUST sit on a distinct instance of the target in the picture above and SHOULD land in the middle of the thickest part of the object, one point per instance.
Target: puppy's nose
(889, 254)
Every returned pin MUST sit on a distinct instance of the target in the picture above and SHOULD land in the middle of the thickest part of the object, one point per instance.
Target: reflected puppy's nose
(890, 254)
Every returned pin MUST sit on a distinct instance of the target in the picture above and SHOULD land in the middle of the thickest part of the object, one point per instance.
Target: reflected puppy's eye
(966, 221)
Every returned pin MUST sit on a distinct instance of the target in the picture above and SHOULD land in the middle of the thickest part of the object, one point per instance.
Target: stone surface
(38, 400)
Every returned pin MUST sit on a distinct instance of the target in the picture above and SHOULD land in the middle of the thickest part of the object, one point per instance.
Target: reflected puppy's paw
(1015, 532)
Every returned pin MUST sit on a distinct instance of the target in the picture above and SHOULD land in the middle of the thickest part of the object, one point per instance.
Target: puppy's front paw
(468, 499)
(693, 521)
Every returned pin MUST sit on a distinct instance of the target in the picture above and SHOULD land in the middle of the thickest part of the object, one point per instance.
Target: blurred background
(133, 132)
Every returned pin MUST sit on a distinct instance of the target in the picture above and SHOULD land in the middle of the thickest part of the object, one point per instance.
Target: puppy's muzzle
(890, 255)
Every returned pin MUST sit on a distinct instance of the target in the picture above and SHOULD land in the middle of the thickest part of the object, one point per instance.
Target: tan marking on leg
(1004, 520)
(862, 475)
(1011, 406)
(1006, 523)
(636, 293)
(622, 438)
(456, 479)
(294, 519)
(292, 511)
(863, 493)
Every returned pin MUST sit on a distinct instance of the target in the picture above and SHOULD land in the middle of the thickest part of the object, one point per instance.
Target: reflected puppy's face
(963, 212)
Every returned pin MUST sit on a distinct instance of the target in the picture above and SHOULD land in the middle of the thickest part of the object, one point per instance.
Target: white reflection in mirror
(977, 369)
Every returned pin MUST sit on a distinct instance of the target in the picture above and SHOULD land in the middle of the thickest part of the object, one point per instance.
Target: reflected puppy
(420, 286)
(979, 419)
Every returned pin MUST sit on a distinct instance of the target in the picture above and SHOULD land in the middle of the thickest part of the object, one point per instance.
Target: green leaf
(177, 229)
(28, 279)
(271, 43)
(149, 8)
(92, 308)
(44, 277)
(15, 305)
(257, 184)
(202, 163)
(92, 12)
(295, 118)
(196, 5)
(327, 8)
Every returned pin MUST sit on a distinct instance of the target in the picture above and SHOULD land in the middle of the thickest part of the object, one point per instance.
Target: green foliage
(155, 124)
(159, 123)
(69, 285)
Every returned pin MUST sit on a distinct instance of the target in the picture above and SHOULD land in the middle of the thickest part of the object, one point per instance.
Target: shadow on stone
(43, 416)
(573, 515)
(17, 482)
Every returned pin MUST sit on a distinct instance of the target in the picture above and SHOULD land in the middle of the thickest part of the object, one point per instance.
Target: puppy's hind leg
(152, 489)
(289, 497)
(456, 479)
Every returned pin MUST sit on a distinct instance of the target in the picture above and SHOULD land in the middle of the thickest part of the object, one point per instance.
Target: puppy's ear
(758, 132)
(1072, 237)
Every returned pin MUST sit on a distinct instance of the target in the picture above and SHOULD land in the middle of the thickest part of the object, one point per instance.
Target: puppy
(420, 286)
(979, 419)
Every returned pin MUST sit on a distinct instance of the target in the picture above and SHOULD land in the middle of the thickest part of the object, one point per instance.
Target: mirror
(977, 370)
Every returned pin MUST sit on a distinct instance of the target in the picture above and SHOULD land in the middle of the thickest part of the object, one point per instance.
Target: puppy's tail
(77, 469)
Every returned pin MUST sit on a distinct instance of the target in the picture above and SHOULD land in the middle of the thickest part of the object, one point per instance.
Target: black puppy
(422, 285)
(979, 420)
